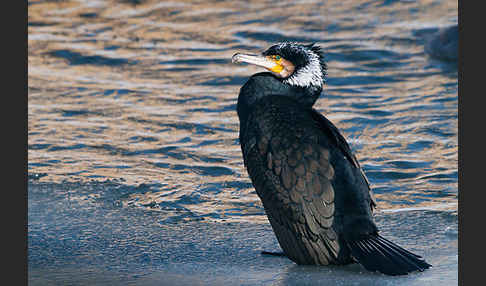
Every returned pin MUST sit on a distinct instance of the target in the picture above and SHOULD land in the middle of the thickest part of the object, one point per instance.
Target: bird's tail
(376, 253)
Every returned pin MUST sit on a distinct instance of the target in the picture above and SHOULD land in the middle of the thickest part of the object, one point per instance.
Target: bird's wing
(292, 176)
(333, 133)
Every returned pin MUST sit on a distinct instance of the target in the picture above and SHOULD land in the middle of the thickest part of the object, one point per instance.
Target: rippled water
(140, 96)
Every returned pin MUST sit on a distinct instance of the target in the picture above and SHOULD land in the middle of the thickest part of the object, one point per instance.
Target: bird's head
(295, 64)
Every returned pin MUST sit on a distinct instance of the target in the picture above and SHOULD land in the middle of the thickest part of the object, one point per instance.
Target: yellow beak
(261, 61)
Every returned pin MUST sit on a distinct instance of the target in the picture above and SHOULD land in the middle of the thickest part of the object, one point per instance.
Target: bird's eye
(277, 57)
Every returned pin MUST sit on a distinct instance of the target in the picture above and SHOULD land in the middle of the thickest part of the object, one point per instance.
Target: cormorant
(314, 192)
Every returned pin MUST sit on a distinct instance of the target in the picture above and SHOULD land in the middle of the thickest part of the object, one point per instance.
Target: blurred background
(132, 114)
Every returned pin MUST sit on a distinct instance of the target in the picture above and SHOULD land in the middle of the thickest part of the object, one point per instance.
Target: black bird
(315, 194)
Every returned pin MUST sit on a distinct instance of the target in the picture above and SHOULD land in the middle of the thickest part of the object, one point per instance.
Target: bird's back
(311, 188)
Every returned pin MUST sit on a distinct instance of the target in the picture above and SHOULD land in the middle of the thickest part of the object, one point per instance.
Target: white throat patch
(310, 75)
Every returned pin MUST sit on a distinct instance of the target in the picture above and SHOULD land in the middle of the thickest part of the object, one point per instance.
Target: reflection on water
(144, 93)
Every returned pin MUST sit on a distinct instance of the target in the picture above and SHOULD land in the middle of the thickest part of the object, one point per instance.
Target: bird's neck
(263, 85)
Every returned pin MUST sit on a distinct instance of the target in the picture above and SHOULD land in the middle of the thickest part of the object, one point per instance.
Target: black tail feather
(386, 241)
(376, 253)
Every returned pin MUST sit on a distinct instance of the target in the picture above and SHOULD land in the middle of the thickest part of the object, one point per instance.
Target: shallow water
(132, 122)
(83, 235)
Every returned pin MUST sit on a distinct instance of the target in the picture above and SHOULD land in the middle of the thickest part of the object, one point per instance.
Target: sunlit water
(135, 168)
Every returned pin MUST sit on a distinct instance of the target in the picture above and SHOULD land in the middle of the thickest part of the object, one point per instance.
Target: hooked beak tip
(235, 58)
